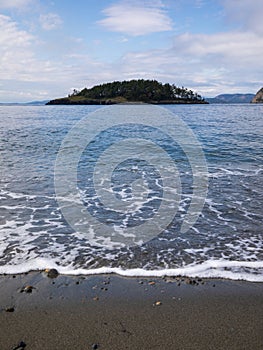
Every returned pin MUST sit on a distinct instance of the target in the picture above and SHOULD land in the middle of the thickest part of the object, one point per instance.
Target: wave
(235, 270)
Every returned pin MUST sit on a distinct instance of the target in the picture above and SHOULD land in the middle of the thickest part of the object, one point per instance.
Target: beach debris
(10, 309)
(171, 279)
(151, 283)
(52, 273)
(124, 330)
(95, 346)
(20, 346)
(27, 289)
(157, 303)
(96, 298)
(191, 281)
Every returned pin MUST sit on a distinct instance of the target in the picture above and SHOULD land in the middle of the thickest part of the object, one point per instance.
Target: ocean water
(60, 207)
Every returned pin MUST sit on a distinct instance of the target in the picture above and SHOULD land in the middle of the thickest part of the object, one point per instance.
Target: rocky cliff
(259, 97)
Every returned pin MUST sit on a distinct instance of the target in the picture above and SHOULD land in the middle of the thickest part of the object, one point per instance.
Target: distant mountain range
(33, 103)
(231, 98)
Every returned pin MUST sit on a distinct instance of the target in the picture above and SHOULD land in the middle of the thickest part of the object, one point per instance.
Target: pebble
(10, 309)
(158, 303)
(20, 346)
(191, 281)
(170, 280)
(96, 298)
(52, 273)
(27, 289)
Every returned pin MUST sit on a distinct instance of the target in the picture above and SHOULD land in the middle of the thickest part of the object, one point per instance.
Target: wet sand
(111, 312)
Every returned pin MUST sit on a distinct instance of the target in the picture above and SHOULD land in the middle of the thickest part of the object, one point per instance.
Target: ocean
(137, 190)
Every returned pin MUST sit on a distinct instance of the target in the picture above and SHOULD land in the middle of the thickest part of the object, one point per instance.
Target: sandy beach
(112, 312)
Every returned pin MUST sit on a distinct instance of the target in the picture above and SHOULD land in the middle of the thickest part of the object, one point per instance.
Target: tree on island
(147, 91)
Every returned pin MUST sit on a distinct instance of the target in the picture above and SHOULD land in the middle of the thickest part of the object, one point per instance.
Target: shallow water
(225, 241)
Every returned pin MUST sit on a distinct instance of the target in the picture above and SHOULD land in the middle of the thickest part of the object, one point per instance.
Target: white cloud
(50, 21)
(246, 13)
(24, 76)
(222, 62)
(136, 18)
(6, 4)
(14, 48)
(243, 48)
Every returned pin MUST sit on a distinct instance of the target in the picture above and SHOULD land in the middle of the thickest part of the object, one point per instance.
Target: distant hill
(259, 97)
(231, 98)
(138, 91)
(33, 103)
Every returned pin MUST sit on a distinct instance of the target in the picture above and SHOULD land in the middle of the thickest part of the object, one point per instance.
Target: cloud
(27, 73)
(18, 61)
(136, 18)
(14, 48)
(221, 62)
(246, 13)
(9, 4)
(244, 48)
(50, 21)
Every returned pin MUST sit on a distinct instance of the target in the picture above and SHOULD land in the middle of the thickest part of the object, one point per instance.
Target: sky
(50, 47)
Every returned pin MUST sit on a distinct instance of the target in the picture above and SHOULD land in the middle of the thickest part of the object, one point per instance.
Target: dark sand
(115, 313)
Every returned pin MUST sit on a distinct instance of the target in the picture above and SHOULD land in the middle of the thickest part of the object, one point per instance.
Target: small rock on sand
(157, 303)
(27, 289)
(52, 273)
(20, 346)
(10, 309)
(151, 283)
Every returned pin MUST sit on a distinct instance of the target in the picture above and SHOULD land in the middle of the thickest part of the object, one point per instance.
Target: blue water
(225, 241)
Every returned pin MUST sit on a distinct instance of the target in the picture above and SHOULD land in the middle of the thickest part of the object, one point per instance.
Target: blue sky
(50, 47)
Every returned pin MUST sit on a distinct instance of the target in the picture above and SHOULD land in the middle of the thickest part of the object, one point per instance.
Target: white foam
(207, 269)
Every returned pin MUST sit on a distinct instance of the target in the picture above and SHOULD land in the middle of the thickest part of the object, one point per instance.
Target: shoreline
(116, 312)
(209, 269)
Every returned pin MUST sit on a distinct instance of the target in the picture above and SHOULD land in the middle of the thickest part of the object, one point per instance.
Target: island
(132, 91)
(259, 97)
